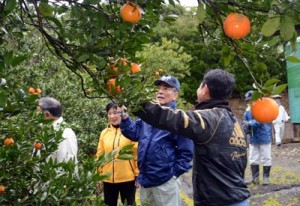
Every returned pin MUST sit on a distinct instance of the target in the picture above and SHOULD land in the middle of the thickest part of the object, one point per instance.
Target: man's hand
(123, 113)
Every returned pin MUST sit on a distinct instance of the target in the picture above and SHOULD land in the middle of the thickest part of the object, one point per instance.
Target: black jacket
(220, 155)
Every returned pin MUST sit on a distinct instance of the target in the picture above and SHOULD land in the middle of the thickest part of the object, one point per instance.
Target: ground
(284, 188)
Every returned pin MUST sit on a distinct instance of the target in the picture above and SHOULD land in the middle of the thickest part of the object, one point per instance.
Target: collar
(212, 103)
(56, 123)
(172, 105)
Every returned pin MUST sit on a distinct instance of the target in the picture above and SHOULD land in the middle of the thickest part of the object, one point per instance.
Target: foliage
(166, 57)
(32, 179)
(268, 19)
(253, 59)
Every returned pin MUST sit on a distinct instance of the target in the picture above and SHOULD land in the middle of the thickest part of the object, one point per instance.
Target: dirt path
(284, 188)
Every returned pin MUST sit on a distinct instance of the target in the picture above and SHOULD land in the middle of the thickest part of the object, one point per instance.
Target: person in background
(259, 146)
(220, 155)
(68, 147)
(122, 172)
(162, 156)
(279, 122)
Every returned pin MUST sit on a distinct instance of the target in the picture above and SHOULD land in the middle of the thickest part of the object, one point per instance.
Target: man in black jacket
(220, 155)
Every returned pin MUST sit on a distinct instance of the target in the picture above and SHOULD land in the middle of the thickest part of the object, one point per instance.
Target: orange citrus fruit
(38, 91)
(264, 110)
(38, 145)
(131, 12)
(8, 141)
(135, 68)
(2, 189)
(236, 26)
(112, 87)
(31, 90)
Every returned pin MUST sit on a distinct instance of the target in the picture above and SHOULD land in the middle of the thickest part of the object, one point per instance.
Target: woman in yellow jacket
(122, 172)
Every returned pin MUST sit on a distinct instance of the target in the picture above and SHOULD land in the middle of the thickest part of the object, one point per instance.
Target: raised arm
(131, 129)
(191, 124)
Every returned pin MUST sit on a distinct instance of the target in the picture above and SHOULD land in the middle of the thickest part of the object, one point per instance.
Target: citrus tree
(39, 40)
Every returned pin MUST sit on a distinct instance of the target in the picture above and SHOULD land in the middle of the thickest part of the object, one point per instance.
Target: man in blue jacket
(260, 145)
(162, 156)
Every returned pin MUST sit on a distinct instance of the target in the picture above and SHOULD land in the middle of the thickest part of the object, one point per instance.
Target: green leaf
(9, 6)
(279, 89)
(271, 82)
(256, 95)
(45, 9)
(57, 23)
(293, 59)
(270, 26)
(83, 57)
(287, 28)
(294, 42)
(201, 12)
(127, 147)
(125, 156)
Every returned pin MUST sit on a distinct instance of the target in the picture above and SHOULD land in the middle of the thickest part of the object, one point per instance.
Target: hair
(51, 105)
(220, 83)
(111, 105)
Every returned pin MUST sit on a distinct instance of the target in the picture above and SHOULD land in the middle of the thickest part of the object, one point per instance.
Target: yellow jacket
(119, 170)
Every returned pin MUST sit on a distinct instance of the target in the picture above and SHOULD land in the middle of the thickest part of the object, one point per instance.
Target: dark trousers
(112, 190)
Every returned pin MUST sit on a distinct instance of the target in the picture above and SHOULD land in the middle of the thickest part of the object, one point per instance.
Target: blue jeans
(243, 203)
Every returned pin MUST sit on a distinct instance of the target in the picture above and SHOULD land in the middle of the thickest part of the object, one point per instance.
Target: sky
(189, 2)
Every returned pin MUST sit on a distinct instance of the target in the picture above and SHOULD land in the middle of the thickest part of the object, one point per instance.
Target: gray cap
(248, 95)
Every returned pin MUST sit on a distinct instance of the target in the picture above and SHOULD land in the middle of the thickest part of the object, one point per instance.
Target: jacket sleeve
(250, 120)
(191, 124)
(184, 155)
(131, 129)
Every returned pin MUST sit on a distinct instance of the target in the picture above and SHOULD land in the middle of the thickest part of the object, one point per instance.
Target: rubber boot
(255, 175)
(266, 175)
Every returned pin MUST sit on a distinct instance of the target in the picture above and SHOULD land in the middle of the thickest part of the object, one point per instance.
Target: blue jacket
(161, 154)
(259, 133)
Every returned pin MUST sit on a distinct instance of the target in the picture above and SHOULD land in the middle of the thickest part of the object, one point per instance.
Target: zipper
(113, 162)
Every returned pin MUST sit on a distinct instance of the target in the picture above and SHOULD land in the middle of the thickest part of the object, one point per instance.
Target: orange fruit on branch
(38, 91)
(112, 87)
(112, 70)
(236, 26)
(31, 90)
(2, 189)
(38, 145)
(264, 110)
(131, 12)
(8, 141)
(135, 68)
